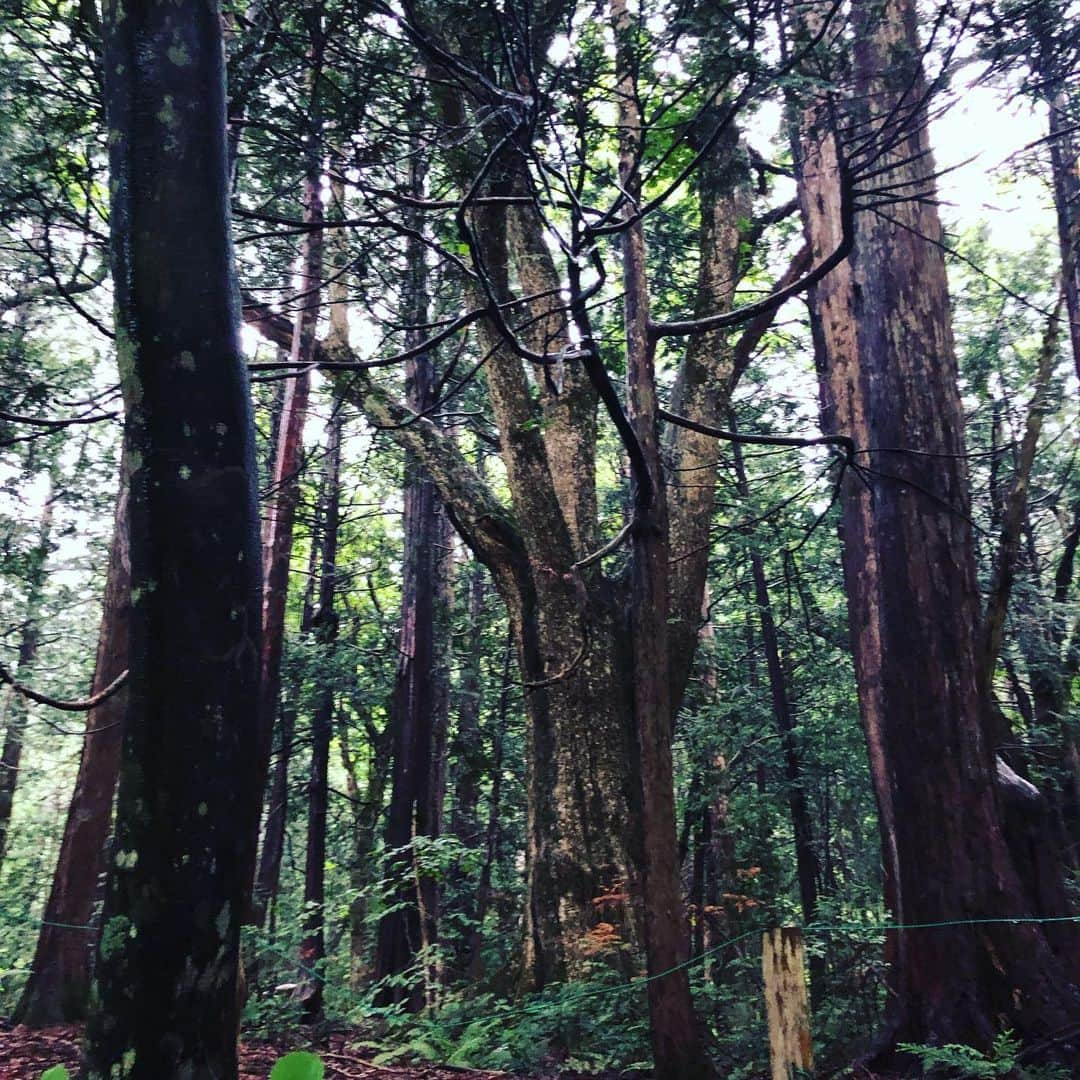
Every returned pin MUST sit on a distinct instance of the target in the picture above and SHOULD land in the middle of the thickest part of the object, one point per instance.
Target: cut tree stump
(787, 1007)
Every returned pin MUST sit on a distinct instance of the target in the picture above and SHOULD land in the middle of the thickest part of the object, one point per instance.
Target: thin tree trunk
(806, 859)
(268, 874)
(412, 811)
(14, 712)
(678, 1053)
(58, 990)
(491, 832)
(468, 743)
(325, 625)
(366, 811)
(188, 804)
(1064, 152)
(285, 487)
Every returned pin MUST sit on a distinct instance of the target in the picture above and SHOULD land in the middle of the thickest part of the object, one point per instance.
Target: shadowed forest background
(502, 503)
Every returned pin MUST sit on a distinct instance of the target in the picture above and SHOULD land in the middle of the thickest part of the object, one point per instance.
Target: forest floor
(26, 1054)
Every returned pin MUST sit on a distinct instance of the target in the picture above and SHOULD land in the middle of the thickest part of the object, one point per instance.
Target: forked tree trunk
(187, 810)
(889, 380)
(58, 990)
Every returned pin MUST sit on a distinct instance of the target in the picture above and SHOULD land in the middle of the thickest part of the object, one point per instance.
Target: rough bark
(889, 380)
(567, 628)
(58, 990)
(187, 809)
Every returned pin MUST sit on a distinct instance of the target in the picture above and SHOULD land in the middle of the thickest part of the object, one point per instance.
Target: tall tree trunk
(14, 713)
(1064, 152)
(413, 704)
(468, 742)
(277, 535)
(678, 1052)
(367, 808)
(187, 810)
(889, 381)
(268, 874)
(325, 625)
(58, 990)
(808, 866)
(491, 831)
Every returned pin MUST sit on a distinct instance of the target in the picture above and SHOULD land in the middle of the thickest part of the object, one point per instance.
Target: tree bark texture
(188, 804)
(889, 380)
(570, 625)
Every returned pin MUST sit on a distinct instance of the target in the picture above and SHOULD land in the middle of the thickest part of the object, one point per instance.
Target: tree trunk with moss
(188, 804)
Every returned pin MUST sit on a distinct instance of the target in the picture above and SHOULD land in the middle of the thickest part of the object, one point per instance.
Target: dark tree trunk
(1064, 151)
(268, 874)
(188, 804)
(468, 738)
(414, 702)
(889, 380)
(58, 990)
(807, 864)
(491, 831)
(285, 488)
(366, 810)
(678, 1052)
(325, 624)
(14, 712)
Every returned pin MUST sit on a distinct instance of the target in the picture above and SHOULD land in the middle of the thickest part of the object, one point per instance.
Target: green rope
(850, 929)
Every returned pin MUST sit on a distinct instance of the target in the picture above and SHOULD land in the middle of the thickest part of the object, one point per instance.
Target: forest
(539, 538)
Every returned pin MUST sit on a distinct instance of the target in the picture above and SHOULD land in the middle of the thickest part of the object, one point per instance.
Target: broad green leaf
(299, 1065)
(57, 1072)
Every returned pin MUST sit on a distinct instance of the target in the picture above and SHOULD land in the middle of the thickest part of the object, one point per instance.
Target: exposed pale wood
(786, 1002)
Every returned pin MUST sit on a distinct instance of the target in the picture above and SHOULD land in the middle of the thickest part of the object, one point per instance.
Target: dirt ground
(26, 1054)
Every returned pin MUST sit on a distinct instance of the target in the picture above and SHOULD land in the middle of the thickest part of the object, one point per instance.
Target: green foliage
(299, 1065)
(970, 1064)
(57, 1072)
(598, 1023)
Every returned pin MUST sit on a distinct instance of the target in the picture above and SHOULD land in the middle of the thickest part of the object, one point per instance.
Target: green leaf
(57, 1072)
(299, 1065)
